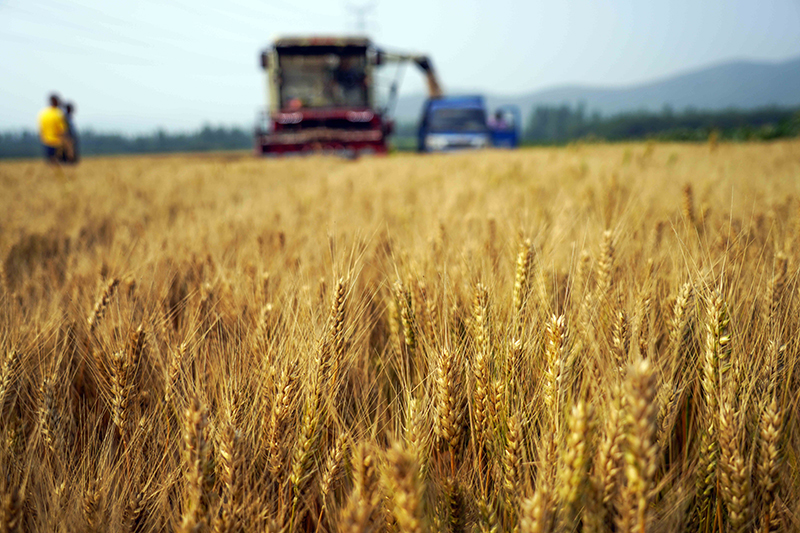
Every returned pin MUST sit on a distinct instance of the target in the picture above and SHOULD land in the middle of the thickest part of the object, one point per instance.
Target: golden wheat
(544, 340)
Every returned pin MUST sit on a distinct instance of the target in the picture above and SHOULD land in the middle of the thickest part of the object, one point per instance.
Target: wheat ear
(537, 510)
(687, 204)
(7, 375)
(195, 452)
(521, 279)
(333, 467)
(337, 338)
(738, 490)
(173, 372)
(575, 460)
(230, 462)
(609, 457)
(405, 481)
(715, 364)
(680, 331)
(555, 362)
(774, 294)
(358, 514)
(281, 409)
(620, 338)
(49, 416)
(482, 379)
(91, 505)
(769, 460)
(405, 305)
(326, 361)
(10, 511)
(605, 266)
(641, 448)
(512, 461)
(100, 306)
(134, 512)
(449, 402)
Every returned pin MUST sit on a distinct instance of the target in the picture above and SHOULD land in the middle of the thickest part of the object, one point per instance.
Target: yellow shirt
(52, 126)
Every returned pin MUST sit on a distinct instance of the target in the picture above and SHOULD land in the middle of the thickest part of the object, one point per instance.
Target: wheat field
(589, 338)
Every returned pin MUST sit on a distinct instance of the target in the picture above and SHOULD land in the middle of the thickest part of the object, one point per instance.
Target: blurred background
(167, 75)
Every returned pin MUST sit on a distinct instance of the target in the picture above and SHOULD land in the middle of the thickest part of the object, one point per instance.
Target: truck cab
(453, 123)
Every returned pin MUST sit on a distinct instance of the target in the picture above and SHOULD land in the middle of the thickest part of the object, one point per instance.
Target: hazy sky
(140, 64)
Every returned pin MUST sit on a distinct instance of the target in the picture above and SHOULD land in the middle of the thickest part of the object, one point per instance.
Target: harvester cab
(322, 96)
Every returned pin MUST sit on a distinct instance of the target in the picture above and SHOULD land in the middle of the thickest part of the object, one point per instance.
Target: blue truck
(461, 122)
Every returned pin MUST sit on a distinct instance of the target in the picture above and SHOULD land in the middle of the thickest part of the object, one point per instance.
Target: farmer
(498, 122)
(52, 129)
(70, 151)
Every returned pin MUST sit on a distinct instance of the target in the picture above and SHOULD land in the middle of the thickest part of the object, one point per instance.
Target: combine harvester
(322, 96)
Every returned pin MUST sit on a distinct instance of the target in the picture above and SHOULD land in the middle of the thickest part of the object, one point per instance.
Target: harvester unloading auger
(322, 95)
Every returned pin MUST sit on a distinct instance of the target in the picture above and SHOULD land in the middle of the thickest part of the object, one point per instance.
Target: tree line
(560, 124)
(545, 125)
(208, 138)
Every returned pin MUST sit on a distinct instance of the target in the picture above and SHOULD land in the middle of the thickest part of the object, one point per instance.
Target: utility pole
(360, 13)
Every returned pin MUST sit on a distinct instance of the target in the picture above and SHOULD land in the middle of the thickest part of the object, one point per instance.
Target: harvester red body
(322, 96)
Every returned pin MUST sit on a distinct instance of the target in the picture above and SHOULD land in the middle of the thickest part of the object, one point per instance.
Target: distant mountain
(739, 84)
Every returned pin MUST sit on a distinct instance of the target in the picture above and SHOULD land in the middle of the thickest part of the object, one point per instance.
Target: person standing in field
(52, 129)
(70, 151)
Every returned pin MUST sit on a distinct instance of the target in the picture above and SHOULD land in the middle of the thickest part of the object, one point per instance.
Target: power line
(36, 18)
(286, 6)
(62, 47)
(361, 12)
(107, 33)
(105, 36)
(69, 9)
